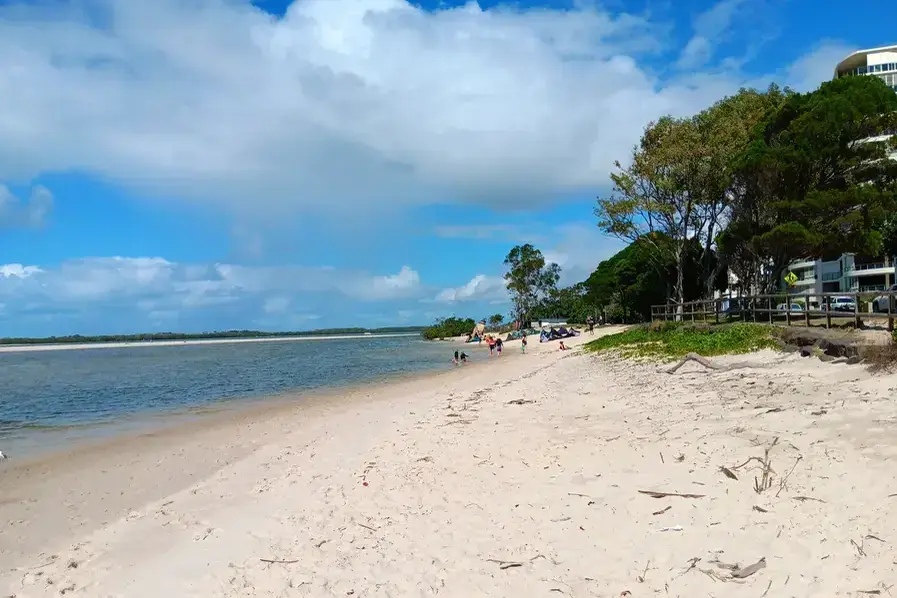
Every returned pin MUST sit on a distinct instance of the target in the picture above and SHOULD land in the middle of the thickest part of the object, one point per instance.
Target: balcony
(832, 276)
(872, 269)
(802, 264)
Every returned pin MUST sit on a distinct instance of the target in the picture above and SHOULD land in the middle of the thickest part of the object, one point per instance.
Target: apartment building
(847, 273)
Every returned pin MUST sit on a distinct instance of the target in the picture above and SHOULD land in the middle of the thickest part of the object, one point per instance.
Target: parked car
(794, 307)
(842, 304)
(880, 303)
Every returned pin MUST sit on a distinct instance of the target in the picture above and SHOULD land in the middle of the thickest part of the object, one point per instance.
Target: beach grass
(670, 340)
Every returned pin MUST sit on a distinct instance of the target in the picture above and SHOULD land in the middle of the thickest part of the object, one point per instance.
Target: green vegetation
(746, 186)
(449, 327)
(530, 280)
(183, 336)
(669, 340)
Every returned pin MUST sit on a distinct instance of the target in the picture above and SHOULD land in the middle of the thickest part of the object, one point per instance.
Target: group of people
(495, 347)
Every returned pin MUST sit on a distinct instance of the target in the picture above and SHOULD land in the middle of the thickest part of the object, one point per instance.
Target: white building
(879, 62)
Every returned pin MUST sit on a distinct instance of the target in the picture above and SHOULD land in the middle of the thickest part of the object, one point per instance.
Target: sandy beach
(529, 475)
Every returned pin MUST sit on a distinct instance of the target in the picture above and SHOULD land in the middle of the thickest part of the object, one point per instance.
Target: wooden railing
(787, 308)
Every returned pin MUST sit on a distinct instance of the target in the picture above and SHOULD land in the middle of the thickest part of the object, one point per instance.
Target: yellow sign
(791, 278)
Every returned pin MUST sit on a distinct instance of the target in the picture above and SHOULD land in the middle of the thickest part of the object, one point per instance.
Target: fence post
(807, 312)
(890, 317)
(769, 309)
(856, 311)
(716, 304)
(693, 310)
(787, 310)
(828, 312)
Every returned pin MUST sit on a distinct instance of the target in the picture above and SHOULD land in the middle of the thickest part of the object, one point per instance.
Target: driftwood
(282, 562)
(654, 494)
(750, 569)
(710, 365)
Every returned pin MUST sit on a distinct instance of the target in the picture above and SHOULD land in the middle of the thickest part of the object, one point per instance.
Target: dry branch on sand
(713, 366)
(654, 494)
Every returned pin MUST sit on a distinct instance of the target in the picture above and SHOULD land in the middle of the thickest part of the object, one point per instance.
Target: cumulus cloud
(480, 288)
(340, 105)
(157, 288)
(27, 213)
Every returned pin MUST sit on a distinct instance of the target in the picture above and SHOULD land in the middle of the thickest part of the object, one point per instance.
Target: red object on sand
(364, 483)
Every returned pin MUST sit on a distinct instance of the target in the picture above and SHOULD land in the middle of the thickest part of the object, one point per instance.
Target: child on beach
(498, 344)
(459, 358)
(491, 342)
(523, 343)
(563, 347)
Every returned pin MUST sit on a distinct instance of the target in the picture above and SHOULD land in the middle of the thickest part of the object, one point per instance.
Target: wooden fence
(792, 310)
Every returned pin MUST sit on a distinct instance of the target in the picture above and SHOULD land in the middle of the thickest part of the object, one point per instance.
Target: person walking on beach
(498, 344)
(491, 342)
(523, 343)
(591, 322)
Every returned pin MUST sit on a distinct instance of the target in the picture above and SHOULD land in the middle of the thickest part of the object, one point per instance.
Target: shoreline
(193, 342)
(565, 472)
(173, 452)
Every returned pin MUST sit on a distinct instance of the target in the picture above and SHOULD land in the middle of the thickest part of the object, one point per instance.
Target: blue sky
(213, 164)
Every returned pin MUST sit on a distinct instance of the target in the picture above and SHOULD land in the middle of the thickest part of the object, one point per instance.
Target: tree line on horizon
(748, 185)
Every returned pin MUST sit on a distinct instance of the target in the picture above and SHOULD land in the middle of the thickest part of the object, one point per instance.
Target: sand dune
(520, 477)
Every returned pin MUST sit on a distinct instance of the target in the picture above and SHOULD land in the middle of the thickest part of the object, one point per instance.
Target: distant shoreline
(175, 343)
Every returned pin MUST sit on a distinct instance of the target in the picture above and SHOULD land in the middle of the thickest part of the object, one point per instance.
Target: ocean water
(50, 398)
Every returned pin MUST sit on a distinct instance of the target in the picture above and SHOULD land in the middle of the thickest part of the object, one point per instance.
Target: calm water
(51, 397)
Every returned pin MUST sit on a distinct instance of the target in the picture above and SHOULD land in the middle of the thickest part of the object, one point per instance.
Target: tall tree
(679, 182)
(816, 180)
(529, 278)
(495, 320)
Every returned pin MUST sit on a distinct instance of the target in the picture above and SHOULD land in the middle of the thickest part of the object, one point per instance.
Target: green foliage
(677, 185)
(570, 303)
(183, 336)
(670, 340)
(529, 279)
(449, 327)
(625, 286)
(815, 180)
(495, 320)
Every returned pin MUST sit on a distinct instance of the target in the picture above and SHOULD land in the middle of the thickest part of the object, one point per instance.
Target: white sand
(459, 481)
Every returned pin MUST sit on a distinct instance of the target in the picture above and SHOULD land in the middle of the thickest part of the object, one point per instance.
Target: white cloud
(709, 27)
(480, 288)
(817, 65)
(157, 288)
(341, 105)
(30, 213)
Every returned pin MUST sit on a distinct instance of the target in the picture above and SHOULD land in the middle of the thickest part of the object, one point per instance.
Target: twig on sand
(784, 480)
(654, 494)
(505, 564)
(519, 402)
(765, 481)
(860, 551)
(280, 561)
(710, 365)
(759, 509)
(728, 473)
(766, 591)
(511, 564)
(373, 529)
(641, 578)
(663, 510)
(806, 498)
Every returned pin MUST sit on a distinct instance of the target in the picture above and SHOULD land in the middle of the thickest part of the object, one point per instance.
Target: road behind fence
(792, 310)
